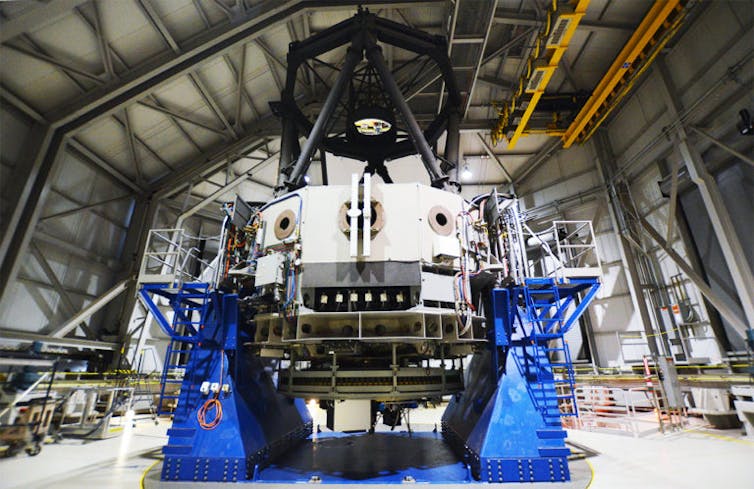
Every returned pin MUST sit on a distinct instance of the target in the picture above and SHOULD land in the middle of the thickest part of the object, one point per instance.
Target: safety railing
(576, 248)
(635, 411)
(172, 256)
(568, 250)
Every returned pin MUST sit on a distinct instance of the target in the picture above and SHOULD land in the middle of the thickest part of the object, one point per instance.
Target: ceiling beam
(36, 18)
(512, 17)
(494, 156)
(86, 155)
(496, 82)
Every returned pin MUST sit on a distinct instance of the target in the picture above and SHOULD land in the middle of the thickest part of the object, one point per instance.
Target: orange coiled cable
(213, 403)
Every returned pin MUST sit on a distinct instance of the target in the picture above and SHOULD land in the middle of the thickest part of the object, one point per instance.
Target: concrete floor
(696, 458)
(115, 463)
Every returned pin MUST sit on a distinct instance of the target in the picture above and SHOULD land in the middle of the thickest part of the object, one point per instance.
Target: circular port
(285, 223)
(441, 220)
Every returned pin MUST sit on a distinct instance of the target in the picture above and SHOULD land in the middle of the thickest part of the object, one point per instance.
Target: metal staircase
(189, 304)
(550, 382)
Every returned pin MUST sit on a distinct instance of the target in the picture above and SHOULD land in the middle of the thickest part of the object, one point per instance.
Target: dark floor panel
(378, 457)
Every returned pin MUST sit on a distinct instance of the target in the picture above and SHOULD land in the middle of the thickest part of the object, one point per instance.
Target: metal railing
(171, 256)
(636, 411)
(569, 250)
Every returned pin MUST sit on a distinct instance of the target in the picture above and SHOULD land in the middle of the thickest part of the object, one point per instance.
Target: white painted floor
(115, 463)
(698, 458)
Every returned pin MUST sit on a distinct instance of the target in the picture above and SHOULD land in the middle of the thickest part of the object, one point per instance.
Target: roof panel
(70, 39)
(181, 18)
(39, 83)
(108, 139)
(129, 31)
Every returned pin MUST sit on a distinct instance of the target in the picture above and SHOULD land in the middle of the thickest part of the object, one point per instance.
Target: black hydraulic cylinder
(374, 54)
(353, 57)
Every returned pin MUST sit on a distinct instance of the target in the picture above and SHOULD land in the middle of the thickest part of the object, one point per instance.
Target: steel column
(606, 171)
(705, 289)
(692, 254)
(722, 224)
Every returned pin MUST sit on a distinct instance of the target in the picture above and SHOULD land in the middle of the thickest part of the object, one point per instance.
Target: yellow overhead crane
(659, 25)
(552, 41)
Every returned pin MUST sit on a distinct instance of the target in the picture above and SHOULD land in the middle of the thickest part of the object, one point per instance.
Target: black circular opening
(380, 330)
(284, 223)
(306, 328)
(441, 219)
(347, 330)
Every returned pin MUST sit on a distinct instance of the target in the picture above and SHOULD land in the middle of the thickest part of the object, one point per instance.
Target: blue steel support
(257, 423)
(506, 423)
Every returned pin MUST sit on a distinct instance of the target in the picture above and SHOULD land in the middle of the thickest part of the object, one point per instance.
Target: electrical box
(270, 270)
(445, 248)
(350, 415)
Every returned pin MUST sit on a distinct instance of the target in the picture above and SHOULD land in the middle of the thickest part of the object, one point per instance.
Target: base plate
(379, 459)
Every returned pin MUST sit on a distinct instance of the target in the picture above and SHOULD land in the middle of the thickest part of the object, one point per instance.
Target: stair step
(177, 449)
(182, 432)
(548, 434)
(554, 451)
(547, 336)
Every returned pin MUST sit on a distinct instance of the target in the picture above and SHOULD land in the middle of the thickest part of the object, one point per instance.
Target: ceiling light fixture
(466, 173)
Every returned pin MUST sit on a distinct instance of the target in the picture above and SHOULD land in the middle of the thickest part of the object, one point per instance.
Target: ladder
(551, 383)
(189, 311)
